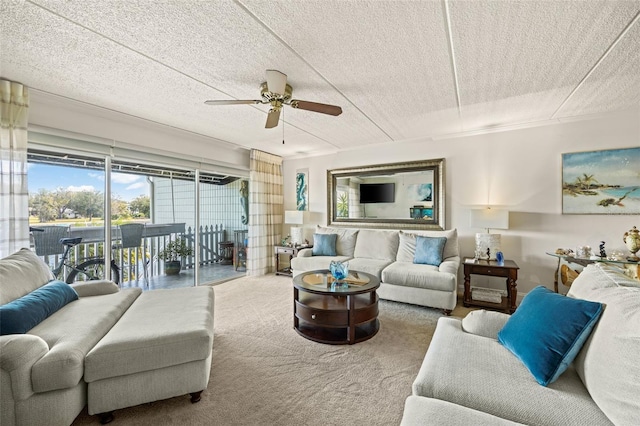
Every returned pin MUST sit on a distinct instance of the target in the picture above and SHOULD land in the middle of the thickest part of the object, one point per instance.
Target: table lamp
(295, 217)
(487, 244)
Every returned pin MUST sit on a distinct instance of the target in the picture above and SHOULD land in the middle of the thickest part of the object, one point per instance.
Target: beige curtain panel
(14, 194)
(266, 209)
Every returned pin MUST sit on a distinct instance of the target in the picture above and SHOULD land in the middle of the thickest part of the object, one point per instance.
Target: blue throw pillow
(429, 250)
(24, 313)
(547, 331)
(324, 244)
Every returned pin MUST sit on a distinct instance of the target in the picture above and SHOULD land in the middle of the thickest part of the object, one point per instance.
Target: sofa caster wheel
(106, 417)
(195, 396)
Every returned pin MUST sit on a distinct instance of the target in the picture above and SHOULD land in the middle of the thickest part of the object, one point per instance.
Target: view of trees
(59, 204)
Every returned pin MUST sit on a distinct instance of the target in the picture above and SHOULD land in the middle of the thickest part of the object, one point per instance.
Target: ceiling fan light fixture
(276, 82)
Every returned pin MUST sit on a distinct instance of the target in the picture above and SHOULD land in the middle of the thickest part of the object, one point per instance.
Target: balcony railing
(154, 237)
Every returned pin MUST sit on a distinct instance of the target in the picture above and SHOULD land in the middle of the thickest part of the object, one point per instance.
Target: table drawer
(489, 270)
(289, 251)
(322, 317)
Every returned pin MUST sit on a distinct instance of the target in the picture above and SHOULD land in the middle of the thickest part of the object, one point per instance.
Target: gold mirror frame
(436, 223)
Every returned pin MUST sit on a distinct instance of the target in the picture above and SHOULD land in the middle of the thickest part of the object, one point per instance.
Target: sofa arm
(450, 265)
(307, 252)
(484, 323)
(19, 353)
(95, 288)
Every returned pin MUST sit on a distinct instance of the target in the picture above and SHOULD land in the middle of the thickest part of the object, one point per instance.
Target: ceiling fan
(276, 92)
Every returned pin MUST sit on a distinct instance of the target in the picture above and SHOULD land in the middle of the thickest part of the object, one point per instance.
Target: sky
(612, 167)
(125, 186)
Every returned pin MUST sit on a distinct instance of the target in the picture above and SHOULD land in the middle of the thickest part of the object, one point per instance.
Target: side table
(289, 251)
(508, 269)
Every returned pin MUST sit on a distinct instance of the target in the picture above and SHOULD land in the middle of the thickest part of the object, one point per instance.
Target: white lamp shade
(490, 218)
(294, 217)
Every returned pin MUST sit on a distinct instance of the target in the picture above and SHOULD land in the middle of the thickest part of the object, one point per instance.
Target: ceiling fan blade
(273, 118)
(317, 107)
(276, 82)
(233, 102)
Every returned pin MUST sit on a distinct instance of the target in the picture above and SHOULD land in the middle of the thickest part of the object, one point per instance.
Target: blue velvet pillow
(24, 313)
(429, 250)
(324, 244)
(547, 331)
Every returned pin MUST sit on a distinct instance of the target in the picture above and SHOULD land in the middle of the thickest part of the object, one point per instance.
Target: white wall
(519, 170)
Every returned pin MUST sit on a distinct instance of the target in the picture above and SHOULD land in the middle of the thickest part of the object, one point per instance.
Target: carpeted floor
(264, 373)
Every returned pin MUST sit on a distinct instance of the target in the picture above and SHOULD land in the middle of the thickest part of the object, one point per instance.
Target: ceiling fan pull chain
(282, 126)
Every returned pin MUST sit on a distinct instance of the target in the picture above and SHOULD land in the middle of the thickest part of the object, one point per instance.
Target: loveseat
(391, 256)
(469, 377)
(45, 368)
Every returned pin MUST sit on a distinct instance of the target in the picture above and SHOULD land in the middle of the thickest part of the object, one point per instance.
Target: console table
(632, 268)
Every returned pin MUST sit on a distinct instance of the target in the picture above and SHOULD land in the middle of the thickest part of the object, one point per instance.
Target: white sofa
(389, 255)
(98, 339)
(468, 377)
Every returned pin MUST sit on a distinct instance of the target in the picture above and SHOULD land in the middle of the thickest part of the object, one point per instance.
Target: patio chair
(47, 240)
(131, 238)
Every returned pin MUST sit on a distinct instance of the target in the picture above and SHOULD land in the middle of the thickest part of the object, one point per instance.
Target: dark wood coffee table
(335, 316)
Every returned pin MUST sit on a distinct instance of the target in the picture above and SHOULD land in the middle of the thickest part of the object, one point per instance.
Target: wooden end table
(335, 316)
(291, 251)
(508, 269)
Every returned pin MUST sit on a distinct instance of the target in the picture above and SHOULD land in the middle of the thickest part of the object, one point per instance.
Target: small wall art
(601, 182)
(302, 189)
(421, 191)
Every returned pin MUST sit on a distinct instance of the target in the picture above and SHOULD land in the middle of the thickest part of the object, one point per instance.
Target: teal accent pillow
(324, 244)
(429, 250)
(24, 313)
(548, 330)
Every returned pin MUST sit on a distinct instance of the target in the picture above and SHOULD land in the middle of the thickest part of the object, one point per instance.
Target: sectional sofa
(469, 377)
(63, 347)
(390, 255)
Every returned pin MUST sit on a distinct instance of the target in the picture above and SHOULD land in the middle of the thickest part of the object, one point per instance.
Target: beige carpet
(264, 373)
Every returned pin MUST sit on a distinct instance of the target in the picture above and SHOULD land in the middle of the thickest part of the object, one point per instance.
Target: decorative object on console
(295, 217)
(487, 244)
(500, 258)
(583, 252)
(603, 253)
(631, 239)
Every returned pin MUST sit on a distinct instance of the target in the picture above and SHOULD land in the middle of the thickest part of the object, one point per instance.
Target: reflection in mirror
(399, 195)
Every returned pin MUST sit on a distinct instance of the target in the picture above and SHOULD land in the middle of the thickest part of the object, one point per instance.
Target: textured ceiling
(399, 69)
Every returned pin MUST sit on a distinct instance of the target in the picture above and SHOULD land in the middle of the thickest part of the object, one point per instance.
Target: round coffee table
(337, 316)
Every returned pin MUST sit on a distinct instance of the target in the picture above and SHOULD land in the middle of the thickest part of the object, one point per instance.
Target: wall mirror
(399, 195)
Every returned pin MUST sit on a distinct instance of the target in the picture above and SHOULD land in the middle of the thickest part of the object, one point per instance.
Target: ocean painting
(302, 190)
(601, 182)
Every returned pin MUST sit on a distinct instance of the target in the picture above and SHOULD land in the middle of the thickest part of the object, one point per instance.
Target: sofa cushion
(548, 330)
(480, 373)
(370, 266)
(324, 244)
(22, 314)
(22, 272)
(420, 411)
(407, 245)
(608, 363)
(376, 244)
(162, 328)
(71, 333)
(421, 276)
(429, 250)
(346, 241)
(314, 263)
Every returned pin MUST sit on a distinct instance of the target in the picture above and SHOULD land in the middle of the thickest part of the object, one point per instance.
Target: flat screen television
(377, 193)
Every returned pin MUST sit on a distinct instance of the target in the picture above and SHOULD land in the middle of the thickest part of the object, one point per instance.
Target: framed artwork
(302, 189)
(601, 182)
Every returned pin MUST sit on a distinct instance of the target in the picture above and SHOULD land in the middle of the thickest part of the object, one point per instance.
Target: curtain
(14, 197)
(266, 209)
